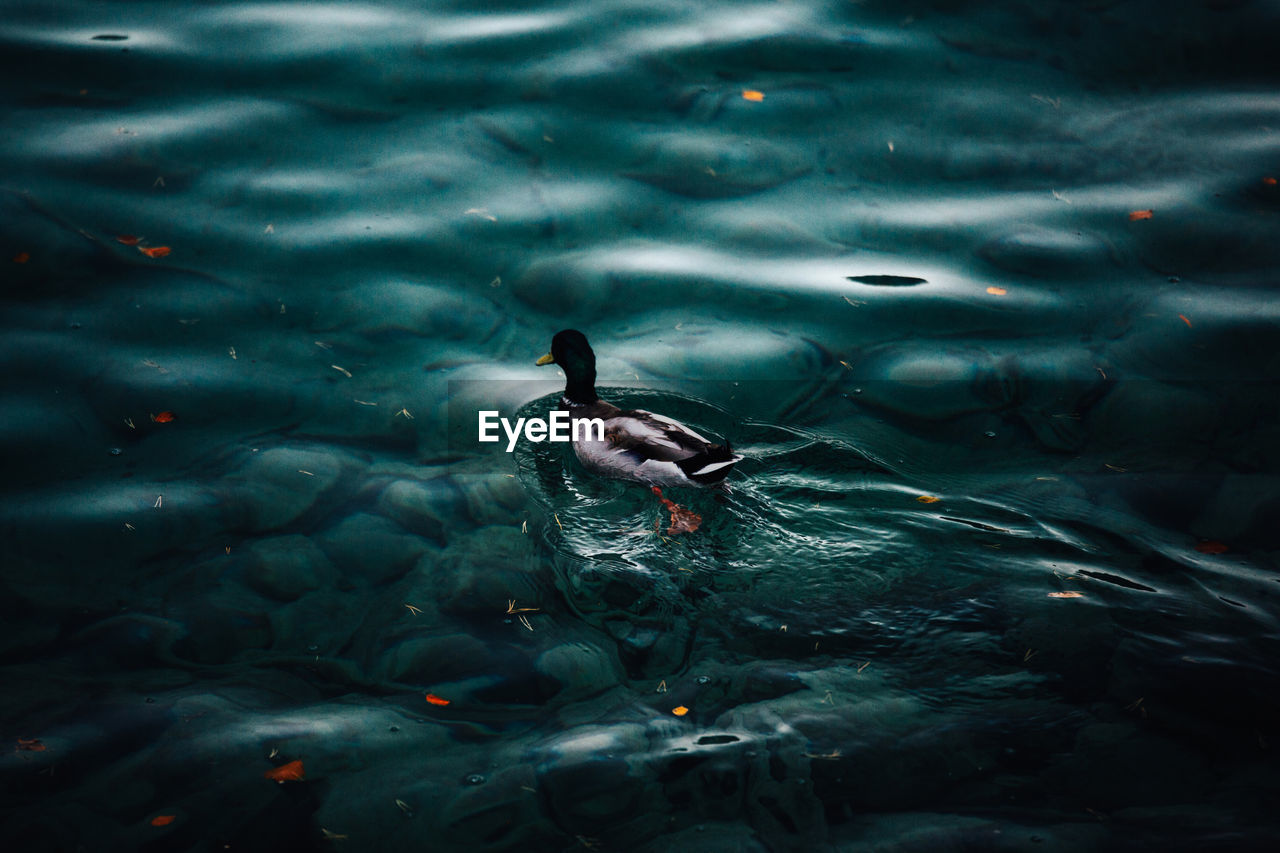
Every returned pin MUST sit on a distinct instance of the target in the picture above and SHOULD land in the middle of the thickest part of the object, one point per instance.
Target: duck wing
(654, 438)
(649, 447)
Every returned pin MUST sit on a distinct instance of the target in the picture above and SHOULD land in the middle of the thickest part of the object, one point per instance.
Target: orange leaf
(1185, 320)
(164, 417)
(1269, 181)
(128, 239)
(291, 772)
(927, 499)
(1067, 594)
(997, 291)
(154, 251)
(679, 710)
(1212, 547)
(436, 700)
(21, 258)
(163, 819)
(30, 744)
(1135, 215)
(752, 95)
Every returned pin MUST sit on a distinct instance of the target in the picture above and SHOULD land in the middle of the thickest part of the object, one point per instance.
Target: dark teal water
(909, 271)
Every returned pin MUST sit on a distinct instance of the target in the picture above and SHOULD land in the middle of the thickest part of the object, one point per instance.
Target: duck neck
(580, 389)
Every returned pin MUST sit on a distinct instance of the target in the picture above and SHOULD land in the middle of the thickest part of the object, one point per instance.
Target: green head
(570, 350)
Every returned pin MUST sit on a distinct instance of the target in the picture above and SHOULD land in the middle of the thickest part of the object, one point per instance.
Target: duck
(637, 445)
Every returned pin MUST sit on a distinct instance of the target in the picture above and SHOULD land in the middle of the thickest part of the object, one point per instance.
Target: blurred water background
(984, 292)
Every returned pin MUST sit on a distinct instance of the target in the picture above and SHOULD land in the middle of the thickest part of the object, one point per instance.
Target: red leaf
(154, 251)
(436, 700)
(1135, 215)
(30, 744)
(164, 417)
(128, 239)
(163, 819)
(1212, 547)
(21, 258)
(291, 772)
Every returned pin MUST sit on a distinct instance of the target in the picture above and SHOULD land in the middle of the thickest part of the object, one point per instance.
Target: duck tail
(711, 465)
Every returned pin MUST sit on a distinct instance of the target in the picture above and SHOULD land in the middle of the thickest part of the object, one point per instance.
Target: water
(998, 570)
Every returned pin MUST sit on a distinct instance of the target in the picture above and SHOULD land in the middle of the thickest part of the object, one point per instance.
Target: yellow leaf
(679, 710)
(752, 95)
(928, 499)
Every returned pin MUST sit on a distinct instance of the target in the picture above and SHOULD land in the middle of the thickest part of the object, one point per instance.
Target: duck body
(636, 445)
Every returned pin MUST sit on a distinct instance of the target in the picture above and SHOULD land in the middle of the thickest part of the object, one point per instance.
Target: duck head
(570, 350)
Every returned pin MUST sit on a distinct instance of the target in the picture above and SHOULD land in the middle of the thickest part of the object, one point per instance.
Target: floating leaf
(1135, 215)
(887, 280)
(163, 819)
(1067, 594)
(1184, 319)
(436, 700)
(1269, 181)
(164, 417)
(996, 291)
(752, 95)
(128, 239)
(679, 710)
(30, 744)
(21, 257)
(928, 499)
(291, 772)
(1212, 546)
(154, 251)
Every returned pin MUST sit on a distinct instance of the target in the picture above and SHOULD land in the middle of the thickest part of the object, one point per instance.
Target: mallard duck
(637, 445)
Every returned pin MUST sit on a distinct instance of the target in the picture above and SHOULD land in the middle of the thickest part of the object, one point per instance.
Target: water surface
(984, 293)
